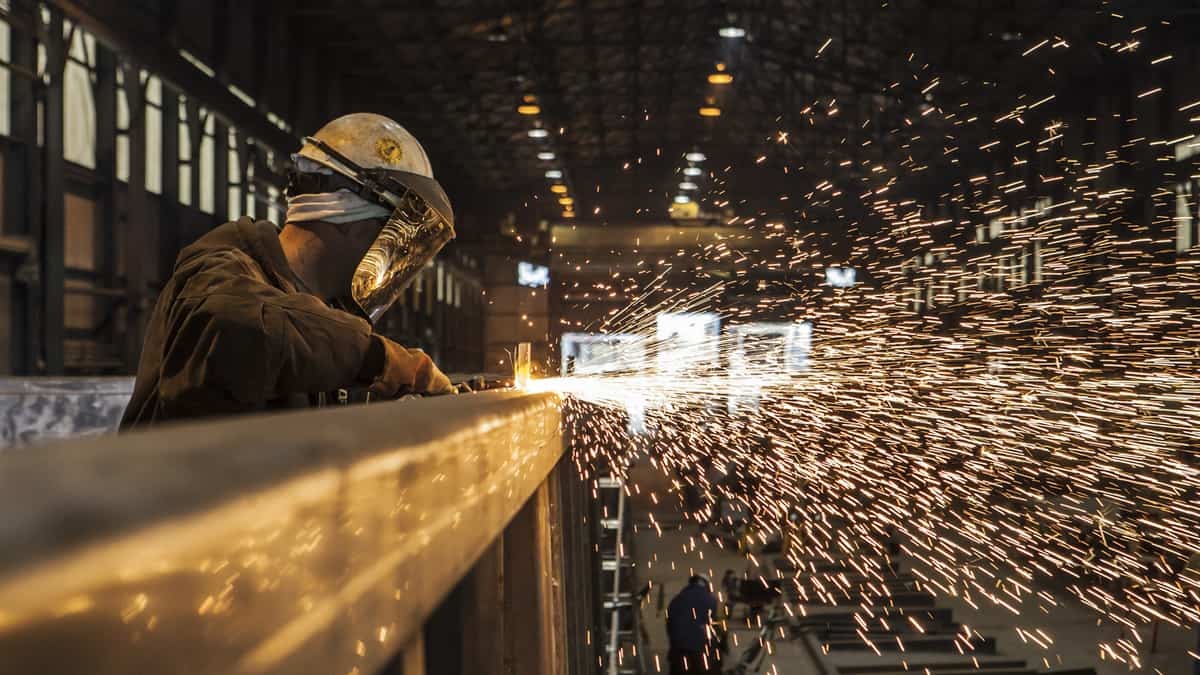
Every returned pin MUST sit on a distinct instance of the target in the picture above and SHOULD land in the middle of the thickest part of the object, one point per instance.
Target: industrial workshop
(599, 337)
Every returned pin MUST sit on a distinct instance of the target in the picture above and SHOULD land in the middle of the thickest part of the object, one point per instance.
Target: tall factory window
(274, 213)
(185, 155)
(5, 79)
(206, 165)
(152, 87)
(122, 125)
(235, 176)
(154, 132)
(1185, 218)
(79, 125)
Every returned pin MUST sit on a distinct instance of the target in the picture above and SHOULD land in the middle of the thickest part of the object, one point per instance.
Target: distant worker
(255, 318)
(691, 632)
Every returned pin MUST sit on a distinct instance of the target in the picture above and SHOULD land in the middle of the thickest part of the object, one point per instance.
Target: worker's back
(689, 615)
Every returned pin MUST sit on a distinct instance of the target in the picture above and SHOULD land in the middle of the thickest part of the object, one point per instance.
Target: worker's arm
(236, 342)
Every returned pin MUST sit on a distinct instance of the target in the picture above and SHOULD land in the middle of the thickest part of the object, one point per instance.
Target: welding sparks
(1008, 399)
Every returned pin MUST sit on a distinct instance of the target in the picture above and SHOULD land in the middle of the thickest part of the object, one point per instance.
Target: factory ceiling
(619, 84)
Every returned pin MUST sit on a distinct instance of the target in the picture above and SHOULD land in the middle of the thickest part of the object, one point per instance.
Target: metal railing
(331, 541)
(44, 409)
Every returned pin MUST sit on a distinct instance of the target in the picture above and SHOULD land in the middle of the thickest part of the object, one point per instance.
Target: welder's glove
(400, 371)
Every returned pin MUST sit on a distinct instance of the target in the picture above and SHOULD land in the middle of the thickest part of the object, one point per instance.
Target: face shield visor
(420, 224)
(410, 238)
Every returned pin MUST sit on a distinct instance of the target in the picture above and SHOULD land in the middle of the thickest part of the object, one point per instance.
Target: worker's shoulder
(234, 235)
(218, 259)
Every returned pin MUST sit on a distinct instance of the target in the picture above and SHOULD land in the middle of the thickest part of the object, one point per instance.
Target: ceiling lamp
(710, 111)
(688, 185)
(559, 189)
(568, 214)
(682, 199)
(529, 105)
(720, 77)
(554, 174)
(692, 171)
(695, 157)
(732, 32)
(538, 133)
(546, 156)
(566, 201)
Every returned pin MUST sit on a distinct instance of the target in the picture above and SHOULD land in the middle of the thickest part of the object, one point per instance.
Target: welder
(691, 631)
(257, 318)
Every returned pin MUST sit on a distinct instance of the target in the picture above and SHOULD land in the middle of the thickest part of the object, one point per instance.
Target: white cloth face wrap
(337, 207)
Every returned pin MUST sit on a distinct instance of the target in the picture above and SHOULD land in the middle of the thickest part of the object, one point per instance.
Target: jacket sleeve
(235, 342)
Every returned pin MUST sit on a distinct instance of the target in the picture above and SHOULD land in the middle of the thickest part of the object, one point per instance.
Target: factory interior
(604, 337)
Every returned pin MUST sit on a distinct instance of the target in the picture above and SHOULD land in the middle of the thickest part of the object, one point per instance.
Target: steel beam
(23, 190)
(107, 186)
(52, 251)
(168, 205)
(137, 212)
(313, 541)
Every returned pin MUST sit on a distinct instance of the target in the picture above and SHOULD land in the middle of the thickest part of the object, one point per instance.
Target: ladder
(622, 630)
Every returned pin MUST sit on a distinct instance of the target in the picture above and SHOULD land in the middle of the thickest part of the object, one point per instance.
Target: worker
(258, 318)
(690, 630)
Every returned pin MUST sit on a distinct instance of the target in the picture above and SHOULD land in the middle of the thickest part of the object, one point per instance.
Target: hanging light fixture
(554, 174)
(682, 199)
(692, 171)
(687, 185)
(566, 201)
(710, 111)
(546, 156)
(732, 32)
(529, 105)
(538, 133)
(720, 77)
(559, 189)
(695, 157)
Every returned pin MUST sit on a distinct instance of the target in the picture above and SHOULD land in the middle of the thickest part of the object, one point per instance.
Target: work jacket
(233, 332)
(689, 616)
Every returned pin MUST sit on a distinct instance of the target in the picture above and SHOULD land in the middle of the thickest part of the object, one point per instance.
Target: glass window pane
(79, 120)
(122, 125)
(5, 81)
(77, 50)
(185, 156)
(153, 149)
(206, 166)
(153, 90)
(235, 167)
(1183, 220)
(235, 202)
(274, 213)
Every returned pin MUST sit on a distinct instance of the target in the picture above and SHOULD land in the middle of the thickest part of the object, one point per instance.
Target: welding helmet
(377, 159)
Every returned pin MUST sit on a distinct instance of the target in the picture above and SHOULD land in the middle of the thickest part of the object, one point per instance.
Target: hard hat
(366, 143)
(378, 159)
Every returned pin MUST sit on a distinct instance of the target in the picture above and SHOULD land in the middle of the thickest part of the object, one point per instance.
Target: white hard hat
(377, 159)
(353, 143)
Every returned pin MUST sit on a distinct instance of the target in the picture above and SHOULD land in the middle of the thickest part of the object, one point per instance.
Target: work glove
(405, 371)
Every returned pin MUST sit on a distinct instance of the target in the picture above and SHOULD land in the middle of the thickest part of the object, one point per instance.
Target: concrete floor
(667, 560)
(669, 553)
(1075, 634)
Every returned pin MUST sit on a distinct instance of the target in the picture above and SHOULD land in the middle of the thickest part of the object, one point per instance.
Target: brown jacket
(233, 333)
